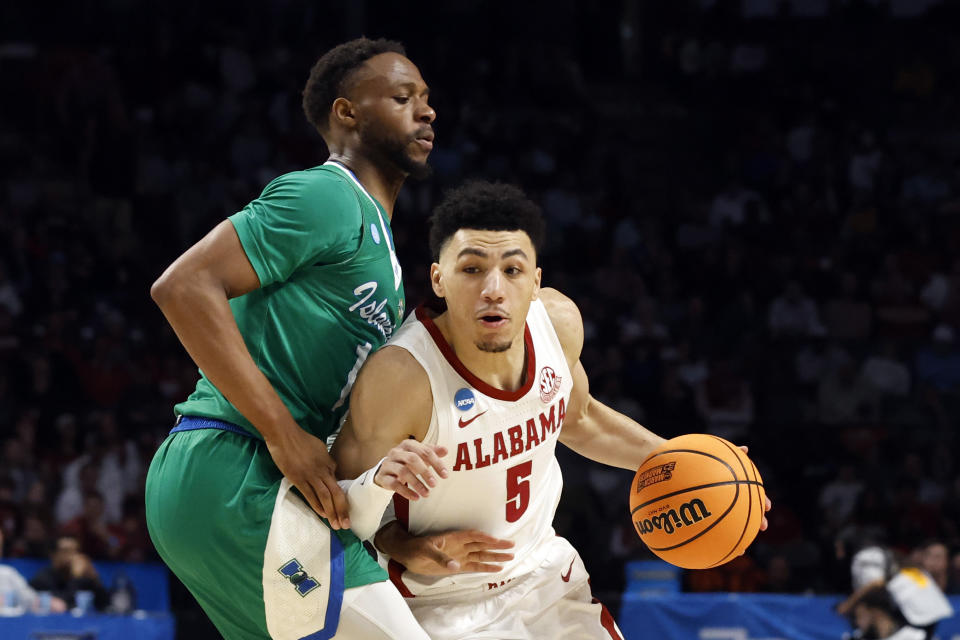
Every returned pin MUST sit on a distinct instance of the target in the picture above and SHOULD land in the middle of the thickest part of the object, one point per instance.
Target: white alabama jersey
(504, 476)
(920, 599)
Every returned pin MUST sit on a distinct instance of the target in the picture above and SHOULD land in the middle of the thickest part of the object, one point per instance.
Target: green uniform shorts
(257, 558)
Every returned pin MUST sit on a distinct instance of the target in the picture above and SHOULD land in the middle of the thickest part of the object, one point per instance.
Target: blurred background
(755, 203)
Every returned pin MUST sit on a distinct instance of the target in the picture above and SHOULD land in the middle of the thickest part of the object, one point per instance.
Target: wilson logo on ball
(669, 521)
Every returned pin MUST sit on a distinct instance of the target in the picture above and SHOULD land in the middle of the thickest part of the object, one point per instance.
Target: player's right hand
(307, 464)
(448, 553)
(411, 468)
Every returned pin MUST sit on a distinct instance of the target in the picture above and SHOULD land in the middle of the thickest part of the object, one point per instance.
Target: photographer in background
(892, 599)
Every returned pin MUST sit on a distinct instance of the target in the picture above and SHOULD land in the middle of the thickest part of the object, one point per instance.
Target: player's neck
(502, 370)
(381, 182)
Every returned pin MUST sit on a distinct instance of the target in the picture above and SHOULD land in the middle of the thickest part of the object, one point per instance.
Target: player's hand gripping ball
(697, 501)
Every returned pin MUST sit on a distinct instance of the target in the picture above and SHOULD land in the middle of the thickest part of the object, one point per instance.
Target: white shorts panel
(553, 601)
(377, 612)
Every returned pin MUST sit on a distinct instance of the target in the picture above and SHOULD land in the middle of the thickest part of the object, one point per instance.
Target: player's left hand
(445, 553)
(462, 551)
(767, 505)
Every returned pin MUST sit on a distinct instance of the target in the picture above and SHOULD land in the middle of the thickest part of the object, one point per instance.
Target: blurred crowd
(762, 236)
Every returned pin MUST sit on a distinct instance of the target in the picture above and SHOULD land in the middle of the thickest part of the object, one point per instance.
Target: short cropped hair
(330, 76)
(487, 206)
(878, 597)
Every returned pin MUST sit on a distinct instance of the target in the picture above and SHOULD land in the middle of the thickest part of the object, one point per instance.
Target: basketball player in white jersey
(908, 594)
(492, 381)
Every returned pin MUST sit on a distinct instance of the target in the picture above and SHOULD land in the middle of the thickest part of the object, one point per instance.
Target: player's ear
(536, 283)
(343, 112)
(436, 280)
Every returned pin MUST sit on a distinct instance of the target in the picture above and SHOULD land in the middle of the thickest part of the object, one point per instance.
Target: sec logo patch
(549, 384)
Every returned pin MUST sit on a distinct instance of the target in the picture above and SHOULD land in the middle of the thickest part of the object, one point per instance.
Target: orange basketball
(697, 501)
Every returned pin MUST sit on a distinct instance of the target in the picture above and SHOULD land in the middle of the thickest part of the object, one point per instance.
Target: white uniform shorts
(552, 602)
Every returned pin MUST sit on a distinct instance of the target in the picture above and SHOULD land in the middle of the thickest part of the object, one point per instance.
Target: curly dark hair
(491, 206)
(331, 73)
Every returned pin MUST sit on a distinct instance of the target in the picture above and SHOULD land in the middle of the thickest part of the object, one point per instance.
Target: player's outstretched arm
(591, 428)
(193, 294)
(596, 431)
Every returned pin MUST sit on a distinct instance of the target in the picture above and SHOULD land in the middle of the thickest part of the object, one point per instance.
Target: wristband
(367, 501)
(389, 515)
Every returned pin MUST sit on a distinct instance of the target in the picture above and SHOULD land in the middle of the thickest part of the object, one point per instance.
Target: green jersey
(330, 293)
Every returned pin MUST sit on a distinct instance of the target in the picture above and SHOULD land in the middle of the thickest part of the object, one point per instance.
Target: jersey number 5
(518, 490)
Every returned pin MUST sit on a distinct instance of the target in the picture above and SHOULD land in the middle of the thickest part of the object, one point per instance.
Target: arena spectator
(838, 498)
(865, 162)
(725, 401)
(79, 479)
(794, 314)
(70, 571)
(848, 316)
(953, 584)
(730, 206)
(938, 364)
(9, 507)
(886, 372)
(35, 535)
(845, 396)
(90, 529)
(933, 557)
(24, 597)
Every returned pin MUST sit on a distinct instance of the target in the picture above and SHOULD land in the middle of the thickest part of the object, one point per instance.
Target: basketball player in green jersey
(279, 306)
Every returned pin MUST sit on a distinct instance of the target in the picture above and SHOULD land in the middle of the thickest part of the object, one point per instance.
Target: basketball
(697, 501)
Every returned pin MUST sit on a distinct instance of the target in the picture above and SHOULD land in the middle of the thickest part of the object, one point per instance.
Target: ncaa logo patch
(375, 233)
(464, 399)
(549, 384)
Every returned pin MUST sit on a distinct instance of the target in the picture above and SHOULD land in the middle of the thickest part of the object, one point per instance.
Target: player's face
(488, 279)
(393, 114)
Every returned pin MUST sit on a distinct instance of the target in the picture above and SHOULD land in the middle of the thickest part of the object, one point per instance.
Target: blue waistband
(192, 423)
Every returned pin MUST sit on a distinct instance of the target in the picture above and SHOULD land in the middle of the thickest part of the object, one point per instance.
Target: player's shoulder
(557, 303)
(392, 382)
(566, 319)
(394, 359)
(320, 193)
(322, 181)
(390, 364)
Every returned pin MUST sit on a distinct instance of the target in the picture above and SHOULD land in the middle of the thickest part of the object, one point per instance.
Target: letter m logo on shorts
(293, 571)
